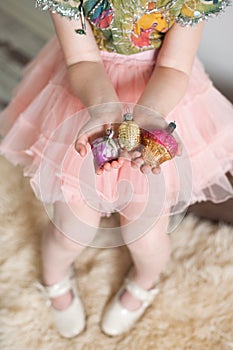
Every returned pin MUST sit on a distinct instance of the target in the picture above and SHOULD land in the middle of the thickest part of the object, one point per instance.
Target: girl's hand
(102, 117)
(147, 120)
(137, 162)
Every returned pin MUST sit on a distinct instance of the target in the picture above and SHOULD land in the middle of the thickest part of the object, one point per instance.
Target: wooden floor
(23, 31)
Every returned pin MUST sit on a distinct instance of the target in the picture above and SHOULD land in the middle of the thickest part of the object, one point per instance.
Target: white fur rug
(194, 309)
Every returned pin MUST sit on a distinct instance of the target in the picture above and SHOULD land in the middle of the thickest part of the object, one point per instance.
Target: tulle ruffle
(41, 123)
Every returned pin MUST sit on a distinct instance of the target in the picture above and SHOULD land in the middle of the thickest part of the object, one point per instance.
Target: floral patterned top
(132, 26)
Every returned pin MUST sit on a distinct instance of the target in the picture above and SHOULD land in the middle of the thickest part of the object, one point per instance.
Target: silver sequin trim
(187, 21)
(59, 7)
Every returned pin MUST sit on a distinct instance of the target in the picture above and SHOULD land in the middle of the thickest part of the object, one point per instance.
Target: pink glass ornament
(104, 149)
(160, 145)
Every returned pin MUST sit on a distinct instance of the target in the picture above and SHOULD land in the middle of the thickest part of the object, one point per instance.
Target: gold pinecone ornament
(129, 133)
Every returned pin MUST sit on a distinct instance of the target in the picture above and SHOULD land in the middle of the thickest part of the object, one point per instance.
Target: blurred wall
(19, 21)
(216, 51)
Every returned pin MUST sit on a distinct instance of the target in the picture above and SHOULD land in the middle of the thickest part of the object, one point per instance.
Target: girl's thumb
(81, 148)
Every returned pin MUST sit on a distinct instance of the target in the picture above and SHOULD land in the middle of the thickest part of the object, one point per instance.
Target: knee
(78, 225)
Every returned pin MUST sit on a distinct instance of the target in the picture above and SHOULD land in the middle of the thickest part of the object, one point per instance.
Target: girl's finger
(135, 154)
(99, 171)
(115, 164)
(81, 149)
(156, 170)
(107, 166)
(145, 169)
(179, 152)
(137, 163)
(81, 145)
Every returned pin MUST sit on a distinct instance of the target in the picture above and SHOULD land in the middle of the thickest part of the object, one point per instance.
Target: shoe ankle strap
(59, 288)
(140, 293)
(56, 289)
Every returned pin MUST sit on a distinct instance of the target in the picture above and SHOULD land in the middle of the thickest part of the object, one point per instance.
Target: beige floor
(193, 310)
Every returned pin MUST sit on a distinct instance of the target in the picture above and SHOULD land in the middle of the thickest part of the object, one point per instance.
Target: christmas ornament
(159, 145)
(128, 133)
(104, 149)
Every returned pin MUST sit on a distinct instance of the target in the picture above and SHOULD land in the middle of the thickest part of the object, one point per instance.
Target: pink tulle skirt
(41, 123)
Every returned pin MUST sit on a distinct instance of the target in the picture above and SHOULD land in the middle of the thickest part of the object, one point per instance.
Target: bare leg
(150, 253)
(58, 251)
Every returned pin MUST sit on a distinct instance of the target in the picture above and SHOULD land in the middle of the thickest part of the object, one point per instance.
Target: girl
(109, 56)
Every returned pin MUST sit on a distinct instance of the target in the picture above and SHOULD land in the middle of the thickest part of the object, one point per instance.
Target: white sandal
(70, 321)
(117, 319)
